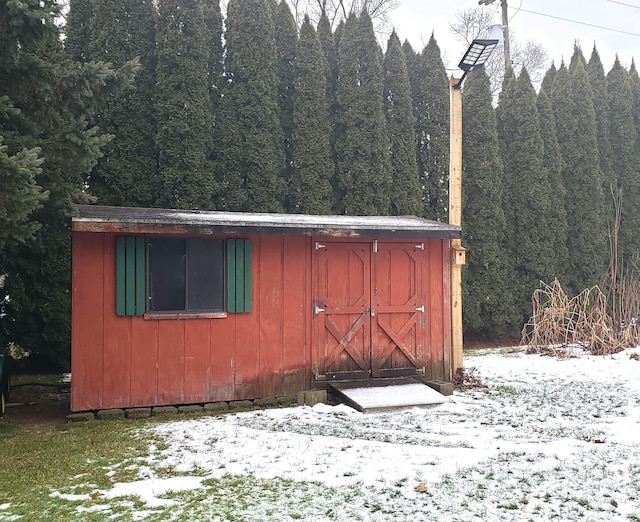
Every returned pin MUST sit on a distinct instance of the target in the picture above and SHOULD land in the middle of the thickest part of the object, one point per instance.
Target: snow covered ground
(548, 439)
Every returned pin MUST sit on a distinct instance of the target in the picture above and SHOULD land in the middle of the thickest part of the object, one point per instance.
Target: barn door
(368, 312)
(397, 331)
(343, 310)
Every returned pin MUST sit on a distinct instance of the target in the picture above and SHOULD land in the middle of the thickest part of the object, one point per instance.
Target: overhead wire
(517, 10)
(624, 3)
(580, 23)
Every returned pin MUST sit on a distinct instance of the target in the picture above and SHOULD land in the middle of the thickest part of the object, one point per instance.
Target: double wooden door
(368, 309)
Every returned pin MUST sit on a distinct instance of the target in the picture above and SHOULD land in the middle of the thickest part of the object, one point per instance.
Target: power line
(580, 23)
(517, 10)
(622, 3)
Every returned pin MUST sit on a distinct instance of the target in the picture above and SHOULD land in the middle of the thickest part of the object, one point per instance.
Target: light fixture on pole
(478, 53)
(476, 56)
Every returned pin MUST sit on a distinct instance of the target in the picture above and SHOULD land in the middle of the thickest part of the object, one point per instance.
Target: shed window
(186, 275)
(183, 275)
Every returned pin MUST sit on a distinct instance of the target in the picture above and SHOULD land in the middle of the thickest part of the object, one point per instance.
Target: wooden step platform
(386, 394)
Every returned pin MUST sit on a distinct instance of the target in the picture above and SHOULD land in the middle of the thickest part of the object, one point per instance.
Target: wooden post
(455, 218)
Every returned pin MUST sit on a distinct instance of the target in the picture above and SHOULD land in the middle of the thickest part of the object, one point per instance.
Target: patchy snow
(547, 439)
(151, 490)
(396, 396)
(70, 496)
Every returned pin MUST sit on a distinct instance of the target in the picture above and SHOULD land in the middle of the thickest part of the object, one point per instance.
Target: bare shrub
(600, 323)
(466, 378)
(559, 322)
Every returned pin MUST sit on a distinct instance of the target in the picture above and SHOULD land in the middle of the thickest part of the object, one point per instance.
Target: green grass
(71, 458)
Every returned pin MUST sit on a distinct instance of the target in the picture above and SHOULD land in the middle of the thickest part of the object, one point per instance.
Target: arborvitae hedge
(405, 192)
(312, 165)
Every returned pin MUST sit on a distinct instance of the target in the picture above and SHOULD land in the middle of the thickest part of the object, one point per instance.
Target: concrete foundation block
(112, 414)
(137, 413)
(312, 397)
(164, 410)
(190, 408)
(216, 407)
(81, 417)
(241, 405)
(287, 401)
(443, 387)
(266, 402)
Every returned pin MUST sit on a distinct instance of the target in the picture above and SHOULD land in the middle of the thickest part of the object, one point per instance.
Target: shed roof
(94, 218)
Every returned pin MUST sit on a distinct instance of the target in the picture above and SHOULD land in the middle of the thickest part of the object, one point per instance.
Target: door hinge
(375, 245)
(317, 310)
(320, 245)
(420, 246)
(420, 309)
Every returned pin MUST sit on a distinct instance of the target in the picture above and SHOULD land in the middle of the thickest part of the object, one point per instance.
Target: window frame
(188, 276)
(132, 277)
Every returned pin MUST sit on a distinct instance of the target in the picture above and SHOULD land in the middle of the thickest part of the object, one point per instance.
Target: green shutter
(130, 276)
(120, 272)
(239, 287)
(247, 276)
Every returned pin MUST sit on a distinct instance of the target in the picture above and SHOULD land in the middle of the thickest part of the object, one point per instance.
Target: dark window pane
(206, 275)
(167, 274)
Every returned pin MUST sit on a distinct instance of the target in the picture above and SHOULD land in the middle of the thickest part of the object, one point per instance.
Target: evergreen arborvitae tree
(250, 149)
(528, 192)
(48, 109)
(213, 21)
(576, 58)
(313, 166)
(123, 30)
(337, 35)
(286, 40)
(78, 29)
(552, 163)
(330, 51)
(411, 58)
(184, 112)
(549, 78)
(624, 161)
(634, 79)
(328, 44)
(634, 82)
(363, 160)
(432, 132)
(598, 84)
(585, 204)
(487, 297)
(405, 191)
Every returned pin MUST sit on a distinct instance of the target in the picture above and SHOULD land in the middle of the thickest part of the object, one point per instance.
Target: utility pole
(455, 218)
(505, 30)
(476, 56)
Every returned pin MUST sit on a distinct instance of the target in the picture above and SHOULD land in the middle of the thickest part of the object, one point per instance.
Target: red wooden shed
(187, 307)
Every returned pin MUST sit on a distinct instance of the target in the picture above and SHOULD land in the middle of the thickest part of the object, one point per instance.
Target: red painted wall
(120, 362)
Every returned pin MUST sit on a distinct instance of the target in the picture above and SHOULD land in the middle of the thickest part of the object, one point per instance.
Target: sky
(415, 20)
(548, 438)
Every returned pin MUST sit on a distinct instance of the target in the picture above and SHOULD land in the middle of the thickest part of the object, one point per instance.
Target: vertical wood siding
(129, 361)
(87, 345)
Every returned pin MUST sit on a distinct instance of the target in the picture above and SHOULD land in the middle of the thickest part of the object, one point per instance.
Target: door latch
(372, 311)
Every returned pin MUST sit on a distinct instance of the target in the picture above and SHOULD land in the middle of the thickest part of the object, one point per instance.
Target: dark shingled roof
(93, 218)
